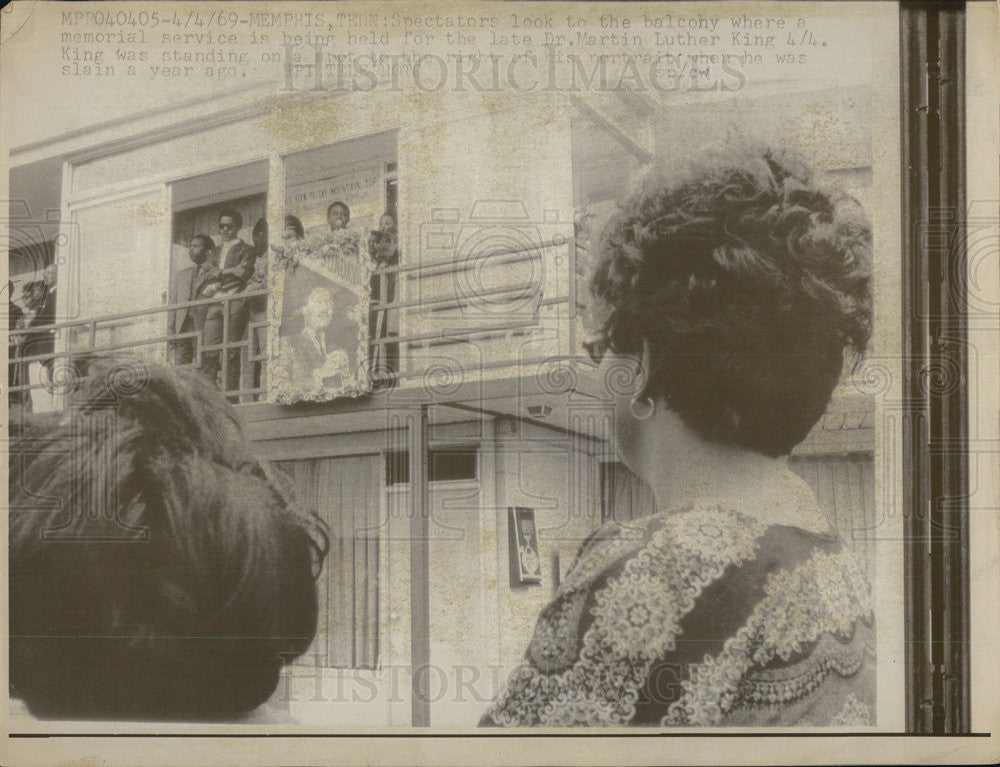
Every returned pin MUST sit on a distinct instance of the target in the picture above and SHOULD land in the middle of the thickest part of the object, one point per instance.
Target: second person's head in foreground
(158, 569)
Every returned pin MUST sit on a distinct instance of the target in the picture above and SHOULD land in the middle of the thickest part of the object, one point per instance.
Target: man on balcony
(338, 216)
(237, 260)
(31, 339)
(192, 284)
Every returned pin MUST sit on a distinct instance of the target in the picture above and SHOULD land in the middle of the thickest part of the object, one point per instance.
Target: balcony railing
(434, 315)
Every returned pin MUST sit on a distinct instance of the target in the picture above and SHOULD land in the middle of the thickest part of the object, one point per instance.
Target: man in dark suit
(192, 284)
(34, 340)
(15, 339)
(237, 260)
(310, 362)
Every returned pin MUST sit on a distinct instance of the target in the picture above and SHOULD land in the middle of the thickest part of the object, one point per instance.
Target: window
(447, 464)
(346, 494)
(360, 172)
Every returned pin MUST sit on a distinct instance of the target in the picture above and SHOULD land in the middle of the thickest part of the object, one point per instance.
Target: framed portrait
(319, 319)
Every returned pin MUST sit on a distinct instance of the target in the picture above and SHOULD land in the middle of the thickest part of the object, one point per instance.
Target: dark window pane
(453, 463)
(446, 465)
(397, 467)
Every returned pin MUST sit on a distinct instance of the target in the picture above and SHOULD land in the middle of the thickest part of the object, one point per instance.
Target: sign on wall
(525, 564)
(319, 319)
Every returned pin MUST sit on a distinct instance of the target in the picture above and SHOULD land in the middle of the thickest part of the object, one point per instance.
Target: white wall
(480, 625)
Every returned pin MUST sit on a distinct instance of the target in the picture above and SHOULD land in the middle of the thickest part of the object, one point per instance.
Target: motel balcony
(503, 322)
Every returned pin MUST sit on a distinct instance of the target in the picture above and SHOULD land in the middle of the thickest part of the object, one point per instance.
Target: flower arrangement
(323, 245)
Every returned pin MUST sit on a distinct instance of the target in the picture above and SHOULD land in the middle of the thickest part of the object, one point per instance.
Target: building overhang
(571, 400)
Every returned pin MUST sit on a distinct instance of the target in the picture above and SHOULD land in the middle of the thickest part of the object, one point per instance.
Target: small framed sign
(525, 563)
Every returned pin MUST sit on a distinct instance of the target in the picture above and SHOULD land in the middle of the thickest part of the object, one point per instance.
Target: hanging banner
(319, 319)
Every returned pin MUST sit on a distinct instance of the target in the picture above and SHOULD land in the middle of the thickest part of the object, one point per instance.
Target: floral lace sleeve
(708, 615)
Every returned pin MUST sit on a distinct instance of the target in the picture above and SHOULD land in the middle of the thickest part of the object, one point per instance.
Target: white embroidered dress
(702, 616)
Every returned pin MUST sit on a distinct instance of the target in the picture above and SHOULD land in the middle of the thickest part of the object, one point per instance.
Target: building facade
(484, 402)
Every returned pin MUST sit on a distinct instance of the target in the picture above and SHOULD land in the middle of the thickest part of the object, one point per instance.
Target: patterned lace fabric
(703, 616)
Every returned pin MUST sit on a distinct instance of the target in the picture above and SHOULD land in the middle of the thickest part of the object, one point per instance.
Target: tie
(194, 283)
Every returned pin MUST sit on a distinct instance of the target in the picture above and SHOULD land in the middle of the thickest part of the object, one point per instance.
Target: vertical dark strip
(420, 650)
(954, 350)
(349, 501)
(376, 520)
(935, 392)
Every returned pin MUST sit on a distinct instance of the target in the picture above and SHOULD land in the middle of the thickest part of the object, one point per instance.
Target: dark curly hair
(293, 222)
(234, 214)
(157, 568)
(749, 281)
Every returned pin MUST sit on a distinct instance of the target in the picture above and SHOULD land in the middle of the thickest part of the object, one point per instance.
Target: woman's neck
(683, 469)
(717, 473)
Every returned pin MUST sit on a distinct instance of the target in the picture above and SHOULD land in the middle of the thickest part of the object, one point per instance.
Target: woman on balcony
(383, 247)
(728, 297)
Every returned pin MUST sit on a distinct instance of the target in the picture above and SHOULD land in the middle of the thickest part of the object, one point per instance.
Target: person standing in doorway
(255, 308)
(383, 247)
(190, 285)
(237, 259)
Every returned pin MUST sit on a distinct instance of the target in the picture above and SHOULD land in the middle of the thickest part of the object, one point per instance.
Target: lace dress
(702, 616)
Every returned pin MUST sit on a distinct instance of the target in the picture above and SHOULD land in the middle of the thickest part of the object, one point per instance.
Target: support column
(420, 648)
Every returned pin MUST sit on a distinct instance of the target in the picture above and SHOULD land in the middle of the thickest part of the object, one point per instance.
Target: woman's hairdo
(749, 281)
(157, 568)
(294, 223)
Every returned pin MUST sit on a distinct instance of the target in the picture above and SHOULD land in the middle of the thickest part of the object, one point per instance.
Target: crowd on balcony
(204, 334)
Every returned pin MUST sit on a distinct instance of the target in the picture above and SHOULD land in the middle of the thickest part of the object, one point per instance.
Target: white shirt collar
(226, 247)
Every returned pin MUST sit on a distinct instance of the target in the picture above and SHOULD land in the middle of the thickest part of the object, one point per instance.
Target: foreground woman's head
(747, 281)
(157, 570)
